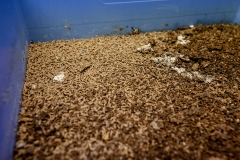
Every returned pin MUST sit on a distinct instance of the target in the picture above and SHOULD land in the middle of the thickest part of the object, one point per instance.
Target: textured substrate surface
(115, 102)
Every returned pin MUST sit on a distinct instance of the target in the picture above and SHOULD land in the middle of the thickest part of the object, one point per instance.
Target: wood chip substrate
(159, 95)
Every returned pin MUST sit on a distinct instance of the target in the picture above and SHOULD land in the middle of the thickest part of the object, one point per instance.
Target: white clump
(209, 79)
(205, 78)
(34, 86)
(198, 75)
(179, 70)
(191, 26)
(187, 74)
(59, 77)
(170, 62)
(195, 75)
(57, 57)
(166, 60)
(181, 40)
(147, 47)
(183, 72)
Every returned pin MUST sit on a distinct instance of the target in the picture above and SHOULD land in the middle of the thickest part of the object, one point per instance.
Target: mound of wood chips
(103, 98)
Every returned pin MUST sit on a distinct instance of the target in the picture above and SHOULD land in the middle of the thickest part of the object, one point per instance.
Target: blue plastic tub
(46, 20)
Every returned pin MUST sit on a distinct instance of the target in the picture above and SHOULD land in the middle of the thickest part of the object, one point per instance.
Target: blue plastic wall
(237, 17)
(44, 20)
(13, 53)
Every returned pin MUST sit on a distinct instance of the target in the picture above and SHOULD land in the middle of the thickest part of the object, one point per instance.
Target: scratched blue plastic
(13, 41)
(44, 20)
(88, 18)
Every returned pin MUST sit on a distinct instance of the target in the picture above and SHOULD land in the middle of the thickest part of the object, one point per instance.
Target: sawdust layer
(116, 103)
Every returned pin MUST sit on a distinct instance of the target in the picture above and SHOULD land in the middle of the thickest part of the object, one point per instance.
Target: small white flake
(185, 58)
(166, 60)
(198, 75)
(191, 26)
(183, 72)
(20, 144)
(57, 57)
(181, 40)
(205, 78)
(179, 70)
(147, 47)
(59, 77)
(209, 79)
(187, 74)
(155, 125)
(34, 86)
